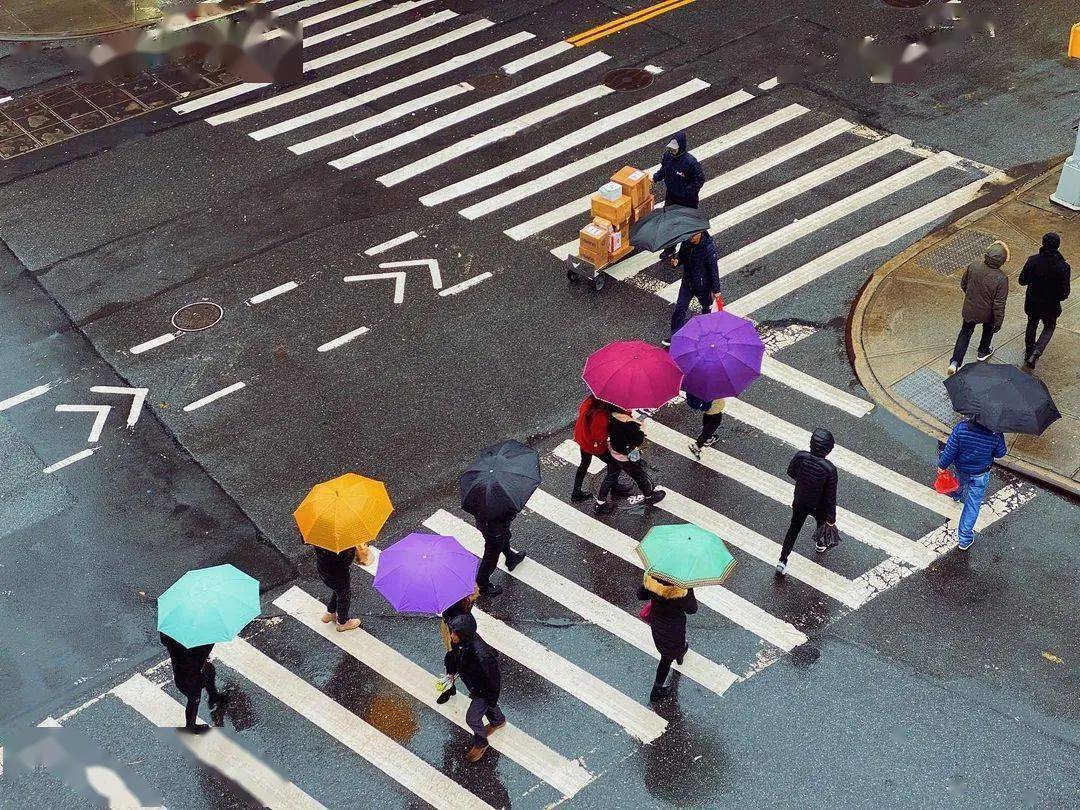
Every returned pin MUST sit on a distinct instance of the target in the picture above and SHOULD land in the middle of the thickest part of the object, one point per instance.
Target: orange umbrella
(343, 512)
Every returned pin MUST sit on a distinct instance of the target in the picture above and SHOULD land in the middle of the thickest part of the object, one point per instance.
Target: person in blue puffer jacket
(681, 174)
(971, 449)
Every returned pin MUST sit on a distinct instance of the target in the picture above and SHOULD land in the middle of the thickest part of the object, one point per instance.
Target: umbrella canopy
(632, 374)
(719, 353)
(665, 226)
(686, 555)
(208, 605)
(425, 573)
(500, 482)
(343, 512)
(1002, 398)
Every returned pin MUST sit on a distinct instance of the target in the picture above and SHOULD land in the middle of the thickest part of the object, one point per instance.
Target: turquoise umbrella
(208, 605)
(686, 555)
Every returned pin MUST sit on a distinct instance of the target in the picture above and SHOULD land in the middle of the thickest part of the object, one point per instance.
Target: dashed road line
(273, 292)
(466, 284)
(153, 343)
(224, 392)
(343, 339)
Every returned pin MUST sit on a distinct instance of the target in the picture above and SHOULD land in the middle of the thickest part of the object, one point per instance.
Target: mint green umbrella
(208, 605)
(686, 555)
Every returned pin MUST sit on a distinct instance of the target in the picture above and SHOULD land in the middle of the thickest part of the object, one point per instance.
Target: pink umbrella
(632, 374)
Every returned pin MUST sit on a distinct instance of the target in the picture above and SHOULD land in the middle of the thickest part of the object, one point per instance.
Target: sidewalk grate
(953, 255)
(35, 120)
(925, 389)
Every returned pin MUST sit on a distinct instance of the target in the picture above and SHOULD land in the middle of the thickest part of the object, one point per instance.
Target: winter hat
(821, 442)
(464, 625)
(1051, 241)
(997, 254)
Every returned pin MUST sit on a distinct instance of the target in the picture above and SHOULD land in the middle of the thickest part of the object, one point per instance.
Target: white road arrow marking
(431, 264)
(399, 287)
(102, 412)
(138, 397)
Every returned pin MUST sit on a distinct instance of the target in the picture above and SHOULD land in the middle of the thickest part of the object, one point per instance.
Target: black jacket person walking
(477, 665)
(669, 607)
(496, 541)
(334, 572)
(1046, 276)
(815, 491)
(681, 174)
(193, 672)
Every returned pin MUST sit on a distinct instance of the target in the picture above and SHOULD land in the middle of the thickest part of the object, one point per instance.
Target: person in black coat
(193, 672)
(625, 437)
(700, 278)
(1046, 276)
(334, 571)
(667, 617)
(477, 665)
(680, 173)
(815, 492)
(496, 532)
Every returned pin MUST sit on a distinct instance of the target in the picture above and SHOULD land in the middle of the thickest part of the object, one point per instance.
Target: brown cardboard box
(644, 209)
(603, 223)
(593, 244)
(616, 212)
(636, 184)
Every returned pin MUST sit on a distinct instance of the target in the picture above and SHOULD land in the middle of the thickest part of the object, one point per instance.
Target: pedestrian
(986, 289)
(448, 687)
(712, 413)
(591, 436)
(1046, 276)
(496, 532)
(700, 278)
(193, 672)
(335, 573)
(472, 660)
(971, 449)
(680, 173)
(625, 438)
(668, 609)
(815, 493)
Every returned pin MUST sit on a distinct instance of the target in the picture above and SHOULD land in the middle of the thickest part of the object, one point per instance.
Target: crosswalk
(522, 161)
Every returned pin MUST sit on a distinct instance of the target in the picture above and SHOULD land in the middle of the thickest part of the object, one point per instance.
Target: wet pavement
(944, 683)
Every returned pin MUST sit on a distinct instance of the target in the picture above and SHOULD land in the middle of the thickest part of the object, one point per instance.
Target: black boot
(579, 495)
(514, 560)
(659, 692)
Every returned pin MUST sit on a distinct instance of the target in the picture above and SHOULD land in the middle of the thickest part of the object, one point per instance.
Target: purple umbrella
(719, 354)
(425, 573)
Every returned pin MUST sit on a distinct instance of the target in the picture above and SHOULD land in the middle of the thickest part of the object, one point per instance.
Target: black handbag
(827, 535)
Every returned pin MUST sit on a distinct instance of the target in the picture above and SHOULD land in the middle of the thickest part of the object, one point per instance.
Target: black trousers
(193, 695)
(632, 468)
(964, 338)
(494, 545)
(662, 669)
(583, 467)
(339, 603)
(682, 304)
(1034, 348)
(710, 422)
(799, 514)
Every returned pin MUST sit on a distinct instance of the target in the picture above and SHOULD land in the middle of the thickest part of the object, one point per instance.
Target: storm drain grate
(197, 316)
(625, 79)
(491, 83)
(957, 253)
(925, 389)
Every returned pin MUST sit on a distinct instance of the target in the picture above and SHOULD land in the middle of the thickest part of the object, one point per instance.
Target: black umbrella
(665, 226)
(1002, 398)
(500, 482)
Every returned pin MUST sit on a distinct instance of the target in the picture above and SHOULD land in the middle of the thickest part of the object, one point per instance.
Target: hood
(465, 627)
(996, 255)
(1051, 241)
(662, 589)
(680, 139)
(821, 443)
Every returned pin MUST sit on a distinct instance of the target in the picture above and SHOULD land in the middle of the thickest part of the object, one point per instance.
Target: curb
(903, 409)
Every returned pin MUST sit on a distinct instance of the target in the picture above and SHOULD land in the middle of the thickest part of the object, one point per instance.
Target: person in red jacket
(591, 435)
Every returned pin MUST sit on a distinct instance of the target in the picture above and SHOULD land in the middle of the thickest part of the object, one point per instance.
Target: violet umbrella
(719, 353)
(632, 374)
(425, 573)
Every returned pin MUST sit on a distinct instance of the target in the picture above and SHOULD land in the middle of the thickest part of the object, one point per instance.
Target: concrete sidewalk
(72, 19)
(904, 324)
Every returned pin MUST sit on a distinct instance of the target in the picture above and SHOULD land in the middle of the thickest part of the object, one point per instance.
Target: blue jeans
(972, 489)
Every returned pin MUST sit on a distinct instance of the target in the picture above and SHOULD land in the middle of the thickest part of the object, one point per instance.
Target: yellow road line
(621, 23)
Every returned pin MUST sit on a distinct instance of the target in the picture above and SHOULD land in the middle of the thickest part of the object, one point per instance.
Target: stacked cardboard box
(616, 206)
(637, 185)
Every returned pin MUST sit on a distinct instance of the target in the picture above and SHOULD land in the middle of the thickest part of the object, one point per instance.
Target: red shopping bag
(719, 301)
(946, 483)
(646, 612)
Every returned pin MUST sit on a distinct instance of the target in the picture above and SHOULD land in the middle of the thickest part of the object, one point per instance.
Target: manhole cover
(957, 253)
(491, 83)
(193, 317)
(624, 79)
(906, 3)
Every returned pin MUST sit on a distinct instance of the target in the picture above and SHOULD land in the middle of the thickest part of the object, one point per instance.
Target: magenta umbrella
(632, 374)
(719, 353)
(425, 573)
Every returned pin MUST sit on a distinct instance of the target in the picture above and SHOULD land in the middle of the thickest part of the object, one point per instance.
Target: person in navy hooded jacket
(681, 174)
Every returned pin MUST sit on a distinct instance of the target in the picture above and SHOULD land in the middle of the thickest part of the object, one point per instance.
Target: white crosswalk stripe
(518, 65)
(363, 22)
(370, 44)
(600, 612)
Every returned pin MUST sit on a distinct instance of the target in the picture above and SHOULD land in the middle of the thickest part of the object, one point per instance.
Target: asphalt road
(951, 685)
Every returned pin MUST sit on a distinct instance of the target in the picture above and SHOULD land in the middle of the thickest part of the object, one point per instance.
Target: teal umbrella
(208, 605)
(686, 555)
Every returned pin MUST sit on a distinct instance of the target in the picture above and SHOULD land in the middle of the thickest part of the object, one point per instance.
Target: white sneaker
(984, 357)
(781, 567)
(952, 369)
